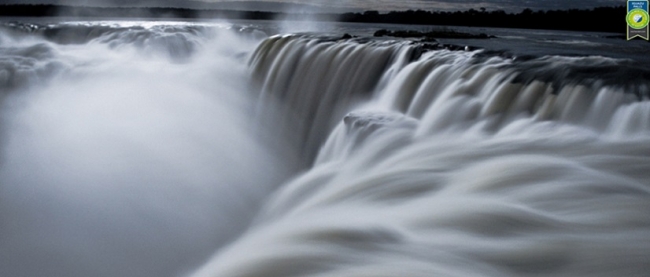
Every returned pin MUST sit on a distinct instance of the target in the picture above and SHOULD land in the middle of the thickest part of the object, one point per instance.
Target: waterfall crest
(319, 79)
(454, 163)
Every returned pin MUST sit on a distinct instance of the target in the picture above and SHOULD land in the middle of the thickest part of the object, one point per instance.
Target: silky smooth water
(212, 149)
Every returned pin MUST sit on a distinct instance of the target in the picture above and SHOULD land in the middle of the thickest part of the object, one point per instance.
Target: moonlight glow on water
(186, 149)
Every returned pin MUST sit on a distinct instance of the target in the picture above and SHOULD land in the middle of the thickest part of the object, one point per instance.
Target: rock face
(359, 126)
(373, 120)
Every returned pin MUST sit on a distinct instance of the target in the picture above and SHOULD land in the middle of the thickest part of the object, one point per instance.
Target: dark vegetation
(603, 19)
(430, 35)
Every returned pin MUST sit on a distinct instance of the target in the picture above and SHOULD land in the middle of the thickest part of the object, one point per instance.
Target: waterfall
(212, 149)
(452, 163)
(319, 79)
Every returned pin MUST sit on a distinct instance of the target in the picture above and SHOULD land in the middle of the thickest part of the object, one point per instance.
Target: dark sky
(382, 5)
(467, 4)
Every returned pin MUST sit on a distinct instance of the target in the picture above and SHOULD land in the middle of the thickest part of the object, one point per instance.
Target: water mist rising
(136, 149)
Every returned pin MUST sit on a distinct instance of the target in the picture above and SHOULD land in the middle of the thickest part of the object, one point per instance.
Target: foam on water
(141, 149)
(460, 164)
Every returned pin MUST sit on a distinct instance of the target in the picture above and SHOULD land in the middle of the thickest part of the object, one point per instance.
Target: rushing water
(204, 149)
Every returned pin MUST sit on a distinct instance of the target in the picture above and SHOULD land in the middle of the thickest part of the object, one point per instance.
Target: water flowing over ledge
(321, 78)
(452, 163)
(140, 148)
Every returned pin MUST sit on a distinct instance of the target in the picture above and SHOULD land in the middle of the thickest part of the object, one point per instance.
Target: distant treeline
(603, 19)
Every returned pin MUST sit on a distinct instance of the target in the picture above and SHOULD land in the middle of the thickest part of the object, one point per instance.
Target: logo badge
(637, 19)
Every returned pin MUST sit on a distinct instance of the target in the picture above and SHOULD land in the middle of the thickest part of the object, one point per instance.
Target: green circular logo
(637, 18)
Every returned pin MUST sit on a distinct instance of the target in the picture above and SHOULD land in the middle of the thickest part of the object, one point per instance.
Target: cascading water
(139, 149)
(318, 80)
(455, 164)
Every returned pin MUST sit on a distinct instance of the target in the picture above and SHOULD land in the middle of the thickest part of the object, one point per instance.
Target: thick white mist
(131, 151)
(131, 154)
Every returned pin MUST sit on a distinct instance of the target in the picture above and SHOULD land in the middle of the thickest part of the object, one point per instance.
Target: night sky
(382, 5)
(467, 4)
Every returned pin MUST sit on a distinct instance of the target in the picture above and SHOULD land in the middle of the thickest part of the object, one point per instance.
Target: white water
(133, 153)
(453, 165)
(129, 154)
